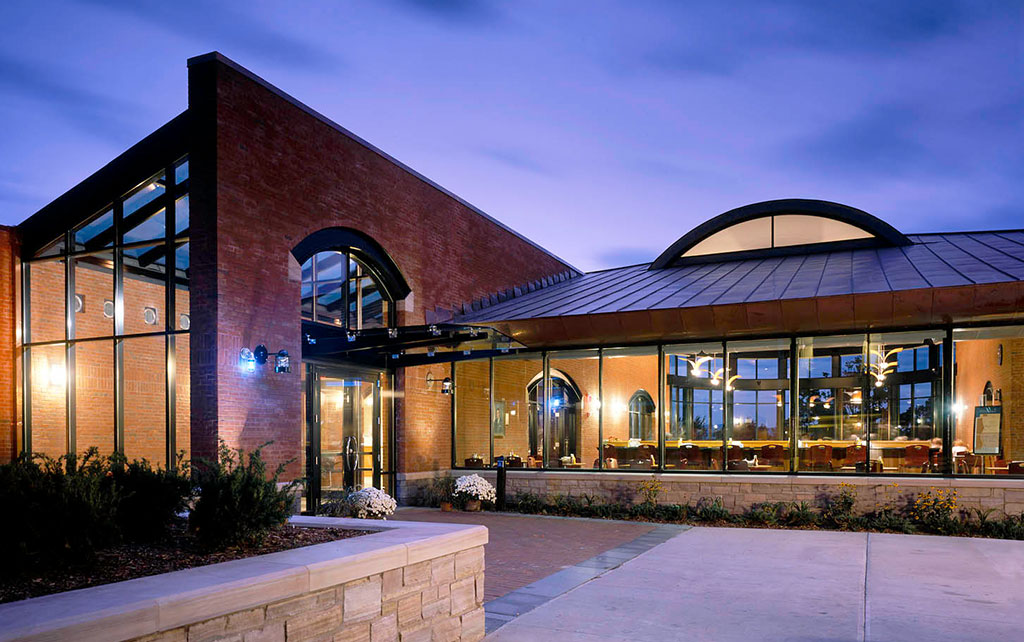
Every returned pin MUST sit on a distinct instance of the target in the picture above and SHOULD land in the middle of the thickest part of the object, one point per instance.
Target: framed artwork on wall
(988, 430)
(498, 425)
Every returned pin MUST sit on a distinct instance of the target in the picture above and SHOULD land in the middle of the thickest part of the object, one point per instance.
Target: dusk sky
(601, 130)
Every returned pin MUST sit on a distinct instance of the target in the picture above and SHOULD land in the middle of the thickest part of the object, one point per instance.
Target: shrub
(934, 510)
(800, 514)
(441, 489)
(62, 510)
(649, 489)
(711, 510)
(236, 502)
(527, 502)
(766, 514)
(150, 498)
(837, 509)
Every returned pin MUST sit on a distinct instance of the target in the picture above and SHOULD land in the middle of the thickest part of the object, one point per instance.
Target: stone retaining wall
(412, 582)
(739, 492)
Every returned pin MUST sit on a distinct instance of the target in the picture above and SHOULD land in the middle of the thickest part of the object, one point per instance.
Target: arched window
(348, 280)
(339, 289)
(563, 414)
(641, 416)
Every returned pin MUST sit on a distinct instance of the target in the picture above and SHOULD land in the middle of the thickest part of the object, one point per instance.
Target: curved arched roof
(780, 227)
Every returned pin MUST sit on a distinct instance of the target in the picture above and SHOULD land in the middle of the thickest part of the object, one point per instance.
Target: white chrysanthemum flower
(371, 503)
(474, 487)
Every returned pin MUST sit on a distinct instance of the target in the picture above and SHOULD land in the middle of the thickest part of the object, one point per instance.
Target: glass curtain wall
(695, 424)
(832, 386)
(573, 415)
(518, 396)
(987, 434)
(630, 385)
(854, 404)
(757, 393)
(903, 416)
(106, 320)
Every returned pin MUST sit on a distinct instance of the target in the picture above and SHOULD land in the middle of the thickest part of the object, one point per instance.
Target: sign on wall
(988, 429)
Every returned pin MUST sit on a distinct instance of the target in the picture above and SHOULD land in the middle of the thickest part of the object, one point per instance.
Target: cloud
(231, 29)
(94, 112)
(879, 141)
(516, 159)
(458, 11)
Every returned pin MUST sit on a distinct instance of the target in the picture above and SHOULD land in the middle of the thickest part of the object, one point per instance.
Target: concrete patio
(749, 584)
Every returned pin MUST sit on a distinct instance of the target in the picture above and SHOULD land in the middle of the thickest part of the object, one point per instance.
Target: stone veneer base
(410, 581)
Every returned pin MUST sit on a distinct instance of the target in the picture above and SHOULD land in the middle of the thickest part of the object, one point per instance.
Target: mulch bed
(178, 551)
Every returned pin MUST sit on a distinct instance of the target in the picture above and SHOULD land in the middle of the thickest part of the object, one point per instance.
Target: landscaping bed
(180, 549)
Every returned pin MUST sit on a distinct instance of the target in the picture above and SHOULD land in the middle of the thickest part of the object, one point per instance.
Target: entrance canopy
(404, 346)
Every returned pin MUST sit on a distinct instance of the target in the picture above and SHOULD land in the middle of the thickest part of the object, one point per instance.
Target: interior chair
(916, 458)
(855, 458)
(773, 455)
(1016, 468)
(738, 464)
(691, 456)
(474, 462)
(644, 457)
(513, 461)
(819, 457)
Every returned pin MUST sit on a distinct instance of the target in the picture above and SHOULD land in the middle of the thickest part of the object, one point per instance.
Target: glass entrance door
(346, 434)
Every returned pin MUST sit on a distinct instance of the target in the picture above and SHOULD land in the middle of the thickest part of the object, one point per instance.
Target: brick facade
(10, 410)
(279, 174)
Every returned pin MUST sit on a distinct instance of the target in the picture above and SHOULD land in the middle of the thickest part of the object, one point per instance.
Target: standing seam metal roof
(932, 260)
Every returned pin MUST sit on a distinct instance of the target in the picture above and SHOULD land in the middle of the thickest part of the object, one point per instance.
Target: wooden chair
(734, 453)
(644, 457)
(691, 456)
(1016, 468)
(774, 455)
(610, 455)
(513, 461)
(855, 458)
(474, 462)
(916, 457)
(737, 464)
(819, 457)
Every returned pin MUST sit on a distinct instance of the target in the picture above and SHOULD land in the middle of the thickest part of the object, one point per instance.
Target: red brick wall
(10, 425)
(280, 175)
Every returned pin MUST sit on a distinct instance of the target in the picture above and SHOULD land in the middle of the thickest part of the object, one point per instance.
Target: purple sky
(601, 130)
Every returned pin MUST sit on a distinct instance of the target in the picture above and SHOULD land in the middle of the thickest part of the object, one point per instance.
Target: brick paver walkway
(523, 549)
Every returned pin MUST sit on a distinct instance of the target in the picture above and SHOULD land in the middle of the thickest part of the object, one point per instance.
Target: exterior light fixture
(282, 362)
(261, 354)
(246, 360)
(351, 336)
(447, 385)
(150, 316)
(434, 330)
(392, 333)
(184, 321)
(79, 303)
(108, 309)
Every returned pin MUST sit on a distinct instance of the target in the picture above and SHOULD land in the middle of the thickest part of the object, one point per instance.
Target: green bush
(441, 489)
(61, 510)
(711, 510)
(837, 509)
(527, 502)
(800, 514)
(236, 503)
(150, 498)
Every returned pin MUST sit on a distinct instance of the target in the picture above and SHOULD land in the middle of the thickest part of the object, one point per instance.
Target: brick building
(375, 328)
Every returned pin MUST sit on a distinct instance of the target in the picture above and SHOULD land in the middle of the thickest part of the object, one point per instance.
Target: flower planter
(473, 505)
(446, 507)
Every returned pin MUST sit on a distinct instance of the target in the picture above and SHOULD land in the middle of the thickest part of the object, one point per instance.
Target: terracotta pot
(472, 505)
(446, 507)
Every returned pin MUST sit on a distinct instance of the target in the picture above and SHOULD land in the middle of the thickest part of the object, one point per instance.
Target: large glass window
(339, 289)
(902, 416)
(630, 410)
(695, 429)
(99, 282)
(757, 406)
(573, 419)
(832, 386)
(472, 413)
(517, 431)
(988, 436)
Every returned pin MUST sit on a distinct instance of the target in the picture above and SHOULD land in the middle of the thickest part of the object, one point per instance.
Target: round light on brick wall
(79, 302)
(150, 316)
(185, 321)
(108, 309)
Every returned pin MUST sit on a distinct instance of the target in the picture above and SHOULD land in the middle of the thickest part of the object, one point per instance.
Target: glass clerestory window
(339, 289)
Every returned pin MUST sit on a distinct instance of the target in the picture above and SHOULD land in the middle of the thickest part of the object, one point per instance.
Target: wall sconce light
(351, 336)
(246, 360)
(447, 386)
(392, 333)
(282, 362)
(261, 354)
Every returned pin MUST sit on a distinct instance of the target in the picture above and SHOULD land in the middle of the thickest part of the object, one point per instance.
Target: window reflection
(338, 289)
